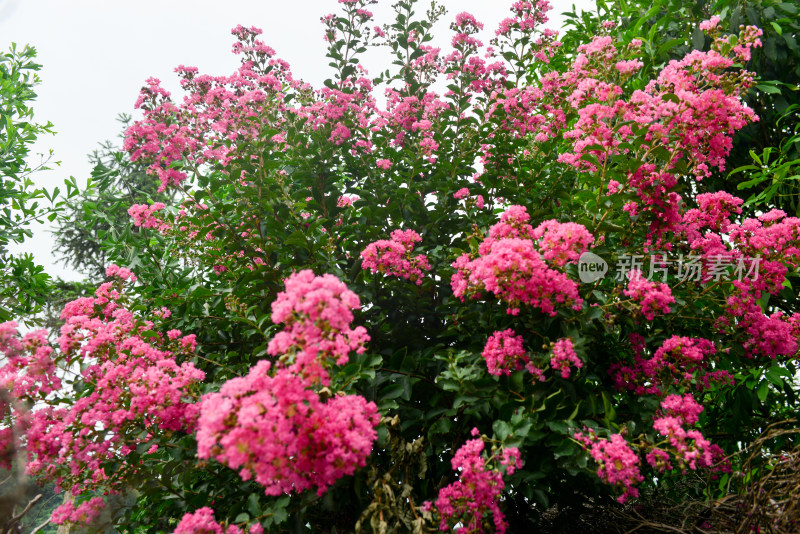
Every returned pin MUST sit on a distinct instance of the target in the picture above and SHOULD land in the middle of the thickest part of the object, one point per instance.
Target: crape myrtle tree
(367, 309)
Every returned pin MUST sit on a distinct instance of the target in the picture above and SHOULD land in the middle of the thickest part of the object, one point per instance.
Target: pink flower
(561, 243)
(201, 521)
(346, 201)
(564, 355)
(504, 354)
(467, 502)
(652, 297)
(316, 312)
(632, 208)
(690, 448)
(684, 408)
(713, 212)
(143, 216)
(513, 271)
(83, 515)
(461, 193)
(384, 164)
(394, 257)
(618, 464)
(629, 66)
(136, 384)
(277, 430)
(709, 24)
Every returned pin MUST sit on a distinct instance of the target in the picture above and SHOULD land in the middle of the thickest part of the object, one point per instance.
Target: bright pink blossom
(82, 515)
(316, 312)
(564, 356)
(277, 430)
(394, 257)
(201, 521)
(469, 501)
(617, 463)
(561, 243)
(652, 297)
(504, 354)
(138, 390)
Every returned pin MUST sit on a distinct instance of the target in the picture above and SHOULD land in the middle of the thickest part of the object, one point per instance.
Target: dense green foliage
(22, 282)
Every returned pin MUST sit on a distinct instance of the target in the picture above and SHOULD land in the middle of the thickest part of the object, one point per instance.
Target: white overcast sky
(96, 55)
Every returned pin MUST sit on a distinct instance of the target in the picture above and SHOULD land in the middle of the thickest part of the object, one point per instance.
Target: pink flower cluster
(563, 356)
(278, 430)
(761, 250)
(202, 521)
(13, 419)
(275, 427)
(144, 216)
(465, 504)
(682, 355)
(477, 201)
(134, 391)
(678, 359)
(215, 117)
(504, 354)
(713, 211)
(677, 412)
(509, 265)
(710, 24)
(774, 239)
(394, 257)
(618, 464)
(316, 312)
(345, 201)
(562, 242)
(653, 297)
(684, 408)
(770, 336)
(461, 193)
(527, 16)
(692, 110)
(29, 370)
(83, 515)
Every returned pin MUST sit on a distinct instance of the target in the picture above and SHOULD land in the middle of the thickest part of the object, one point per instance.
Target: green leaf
(671, 97)
(501, 430)
(698, 39)
(297, 238)
(768, 88)
(750, 183)
(763, 390)
(559, 426)
(393, 391)
(775, 375)
(567, 448)
(608, 408)
(253, 505)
